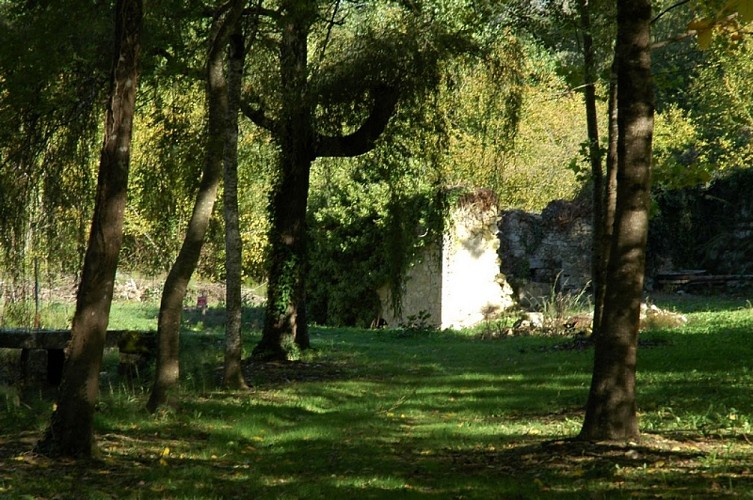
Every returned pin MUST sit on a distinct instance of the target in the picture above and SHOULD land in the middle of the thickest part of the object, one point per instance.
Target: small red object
(201, 302)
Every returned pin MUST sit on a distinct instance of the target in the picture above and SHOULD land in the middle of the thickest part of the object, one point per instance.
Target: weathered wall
(472, 287)
(422, 293)
(459, 284)
(706, 228)
(540, 247)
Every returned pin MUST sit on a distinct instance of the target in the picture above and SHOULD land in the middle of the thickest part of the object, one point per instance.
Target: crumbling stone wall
(456, 284)
(542, 248)
(709, 227)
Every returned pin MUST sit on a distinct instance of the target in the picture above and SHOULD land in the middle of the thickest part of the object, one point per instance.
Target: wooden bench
(133, 346)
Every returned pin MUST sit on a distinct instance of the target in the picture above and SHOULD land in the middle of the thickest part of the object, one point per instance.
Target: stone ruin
(538, 251)
(456, 283)
(488, 261)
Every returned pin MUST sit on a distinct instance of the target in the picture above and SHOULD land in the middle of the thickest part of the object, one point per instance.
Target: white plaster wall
(460, 286)
(472, 288)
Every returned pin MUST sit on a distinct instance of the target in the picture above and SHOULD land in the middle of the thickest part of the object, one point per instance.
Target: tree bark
(71, 430)
(168, 324)
(233, 373)
(609, 200)
(286, 295)
(611, 408)
(594, 154)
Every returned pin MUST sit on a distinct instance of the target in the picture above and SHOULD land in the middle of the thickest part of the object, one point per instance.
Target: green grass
(377, 414)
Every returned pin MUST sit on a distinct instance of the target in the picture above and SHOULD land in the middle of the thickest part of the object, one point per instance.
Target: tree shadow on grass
(126, 468)
(657, 466)
(266, 375)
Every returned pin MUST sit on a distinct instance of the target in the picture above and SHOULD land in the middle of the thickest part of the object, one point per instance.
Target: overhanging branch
(362, 140)
(258, 116)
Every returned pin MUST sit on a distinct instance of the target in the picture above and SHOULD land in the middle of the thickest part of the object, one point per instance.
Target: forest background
(505, 115)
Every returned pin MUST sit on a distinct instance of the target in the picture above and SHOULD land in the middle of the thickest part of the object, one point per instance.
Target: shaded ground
(657, 467)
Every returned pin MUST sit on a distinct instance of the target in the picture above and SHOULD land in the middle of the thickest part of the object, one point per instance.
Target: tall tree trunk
(299, 145)
(71, 430)
(594, 154)
(609, 200)
(176, 284)
(286, 296)
(611, 409)
(233, 373)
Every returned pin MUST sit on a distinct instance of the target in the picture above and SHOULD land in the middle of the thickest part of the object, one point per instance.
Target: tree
(299, 145)
(233, 375)
(174, 291)
(611, 408)
(599, 244)
(603, 219)
(71, 430)
(337, 105)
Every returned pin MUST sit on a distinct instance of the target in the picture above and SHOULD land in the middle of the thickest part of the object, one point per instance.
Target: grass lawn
(384, 414)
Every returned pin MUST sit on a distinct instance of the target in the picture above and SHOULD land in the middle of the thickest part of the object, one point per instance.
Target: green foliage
(481, 100)
(417, 324)
(552, 127)
(52, 76)
(364, 231)
(679, 151)
(165, 169)
(721, 104)
(555, 27)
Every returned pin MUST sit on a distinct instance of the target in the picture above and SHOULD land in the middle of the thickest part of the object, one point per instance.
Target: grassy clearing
(376, 414)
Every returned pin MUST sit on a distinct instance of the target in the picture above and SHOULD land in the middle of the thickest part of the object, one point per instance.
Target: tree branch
(677, 38)
(258, 116)
(674, 6)
(362, 140)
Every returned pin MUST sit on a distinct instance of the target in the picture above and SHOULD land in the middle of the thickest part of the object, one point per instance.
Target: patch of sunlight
(314, 404)
(292, 438)
(386, 483)
(482, 377)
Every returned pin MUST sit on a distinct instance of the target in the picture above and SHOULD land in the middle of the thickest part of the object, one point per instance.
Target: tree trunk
(594, 154)
(233, 373)
(611, 409)
(286, 296)
(609, 199)
(299, 145)
(71, 430)
(176, 284)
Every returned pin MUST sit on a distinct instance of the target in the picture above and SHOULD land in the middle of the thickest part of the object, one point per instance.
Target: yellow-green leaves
(730, 19)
